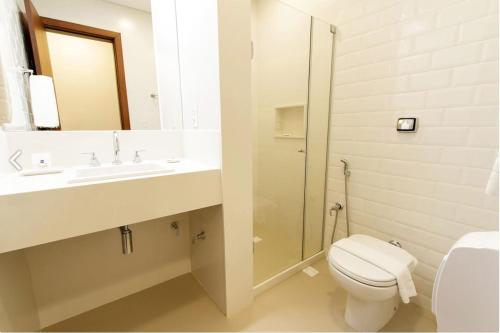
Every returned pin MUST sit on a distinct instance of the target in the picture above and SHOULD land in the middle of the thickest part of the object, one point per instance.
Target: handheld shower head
(347, 172)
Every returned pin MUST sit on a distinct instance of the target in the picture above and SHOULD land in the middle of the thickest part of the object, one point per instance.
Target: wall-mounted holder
(407, 125)
(25, 71)
(175, 227)
(201, 236)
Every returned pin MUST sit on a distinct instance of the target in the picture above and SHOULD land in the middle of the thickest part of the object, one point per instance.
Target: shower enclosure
(291, 83)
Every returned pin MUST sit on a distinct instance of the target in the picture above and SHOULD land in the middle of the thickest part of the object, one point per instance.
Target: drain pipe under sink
(127, 244)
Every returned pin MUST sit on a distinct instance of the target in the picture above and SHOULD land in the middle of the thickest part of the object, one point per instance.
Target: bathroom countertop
(16, 183)
(36, 210)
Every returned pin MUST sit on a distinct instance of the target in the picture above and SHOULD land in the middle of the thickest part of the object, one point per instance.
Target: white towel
(492, 185)
(400, 271)
(43, 102)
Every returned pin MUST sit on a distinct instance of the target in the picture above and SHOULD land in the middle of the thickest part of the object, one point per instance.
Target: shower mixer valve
(338, 207)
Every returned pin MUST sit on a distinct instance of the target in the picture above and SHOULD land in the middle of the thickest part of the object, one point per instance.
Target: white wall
(438, 61)
(138, 50)
(18, 311)
(236, 136)
(79, 274)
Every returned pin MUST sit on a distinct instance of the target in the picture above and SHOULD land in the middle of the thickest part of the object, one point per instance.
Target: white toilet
(373, 296)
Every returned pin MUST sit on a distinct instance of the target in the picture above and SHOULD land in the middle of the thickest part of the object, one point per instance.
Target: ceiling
(144, 5)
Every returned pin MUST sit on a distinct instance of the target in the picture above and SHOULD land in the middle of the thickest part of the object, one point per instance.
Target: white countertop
(16, 183)
(36, 210)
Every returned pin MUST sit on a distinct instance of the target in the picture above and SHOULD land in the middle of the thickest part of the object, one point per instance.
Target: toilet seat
(359, 270)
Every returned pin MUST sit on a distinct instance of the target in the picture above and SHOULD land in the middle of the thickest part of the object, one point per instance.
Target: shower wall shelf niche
(290, 122)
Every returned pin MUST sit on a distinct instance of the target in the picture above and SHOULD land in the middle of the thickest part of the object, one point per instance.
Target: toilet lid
(359, 270)
(364, 271)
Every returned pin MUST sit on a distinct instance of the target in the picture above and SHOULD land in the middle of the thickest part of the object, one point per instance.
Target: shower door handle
(301, 150)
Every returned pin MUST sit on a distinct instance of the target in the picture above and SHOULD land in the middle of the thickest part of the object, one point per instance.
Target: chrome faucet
(116, 149)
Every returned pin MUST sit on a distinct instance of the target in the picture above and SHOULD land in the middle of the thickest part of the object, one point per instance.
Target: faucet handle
(94, 162)
(137, 156)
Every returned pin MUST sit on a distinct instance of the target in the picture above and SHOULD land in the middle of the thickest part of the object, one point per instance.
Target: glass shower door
(280, 79)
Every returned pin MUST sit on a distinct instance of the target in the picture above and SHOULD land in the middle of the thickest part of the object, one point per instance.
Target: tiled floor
(300, 303)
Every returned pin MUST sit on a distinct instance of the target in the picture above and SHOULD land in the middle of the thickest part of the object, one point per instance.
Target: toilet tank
(465, 295)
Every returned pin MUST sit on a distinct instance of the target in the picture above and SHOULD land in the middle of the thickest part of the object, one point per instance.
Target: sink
(107, 172)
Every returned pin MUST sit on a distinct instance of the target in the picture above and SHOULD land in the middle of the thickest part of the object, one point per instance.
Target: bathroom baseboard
(280, 277)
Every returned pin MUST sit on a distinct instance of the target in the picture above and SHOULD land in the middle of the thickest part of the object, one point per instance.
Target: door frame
(113, 37)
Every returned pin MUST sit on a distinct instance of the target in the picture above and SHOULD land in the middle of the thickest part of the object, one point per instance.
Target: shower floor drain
(312, 272)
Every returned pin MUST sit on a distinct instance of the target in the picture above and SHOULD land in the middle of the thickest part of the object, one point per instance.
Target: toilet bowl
(373, 296)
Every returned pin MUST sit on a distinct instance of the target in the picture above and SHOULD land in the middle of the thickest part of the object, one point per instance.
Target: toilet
(373, 296)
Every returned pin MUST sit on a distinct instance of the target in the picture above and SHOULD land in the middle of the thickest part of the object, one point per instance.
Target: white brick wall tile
(411, 153)
(424, 287)
(450, 97)
(407, 101)
(469, 157)
(416, 25)
(484, 137)
(444, 136)
(403, 10)
(463, 12)
(362, 119)
(475, 177)
(430, 80)
(425, 6)
(426, 271)
(434, 172)
(359, 26)
(480, 29)
(490, 50)
(349, 45)
(375, 6)
(474, 117)
(491, 203)
(460, 194)
(383, 52)
(457, 56)
(378, 37)
(487, 95)
(369, 103)
(413, 64)
(350, 13)
(436, 40)
(346, 76)
(475, 74)
(477, 217)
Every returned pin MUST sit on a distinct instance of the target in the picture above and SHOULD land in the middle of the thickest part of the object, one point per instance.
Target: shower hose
(339, 207)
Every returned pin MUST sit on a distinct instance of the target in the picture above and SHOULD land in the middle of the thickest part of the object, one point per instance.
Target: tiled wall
(436, 60)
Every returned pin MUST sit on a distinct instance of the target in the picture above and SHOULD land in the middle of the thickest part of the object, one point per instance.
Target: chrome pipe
(127, 243)
(347, 173)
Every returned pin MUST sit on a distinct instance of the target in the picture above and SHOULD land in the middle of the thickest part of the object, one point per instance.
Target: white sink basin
(93, 174)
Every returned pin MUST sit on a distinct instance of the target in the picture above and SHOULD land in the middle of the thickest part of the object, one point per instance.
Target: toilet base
(369, 316)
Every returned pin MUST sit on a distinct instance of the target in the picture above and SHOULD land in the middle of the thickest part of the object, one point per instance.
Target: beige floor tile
(300, 303)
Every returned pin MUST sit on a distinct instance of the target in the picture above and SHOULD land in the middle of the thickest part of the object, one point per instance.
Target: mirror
(87, 65)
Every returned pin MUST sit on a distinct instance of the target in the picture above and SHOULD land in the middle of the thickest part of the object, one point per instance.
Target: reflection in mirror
(96, 64)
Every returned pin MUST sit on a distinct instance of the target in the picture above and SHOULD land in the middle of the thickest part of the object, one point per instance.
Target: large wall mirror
(89, 64)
